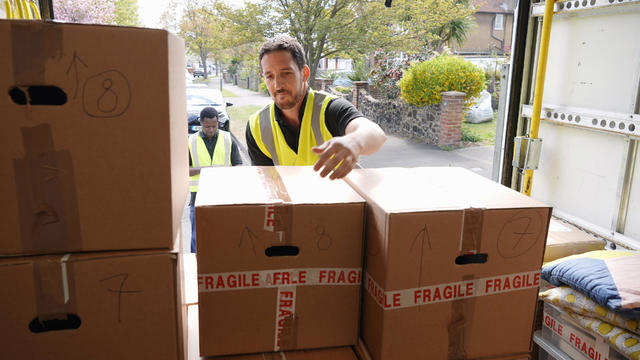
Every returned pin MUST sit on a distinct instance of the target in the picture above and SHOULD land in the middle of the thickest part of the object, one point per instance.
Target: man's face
(209, 126)
(285, 81)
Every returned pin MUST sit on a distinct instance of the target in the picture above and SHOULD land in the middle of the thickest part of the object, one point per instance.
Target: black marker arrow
(74, 64)
(422, 237)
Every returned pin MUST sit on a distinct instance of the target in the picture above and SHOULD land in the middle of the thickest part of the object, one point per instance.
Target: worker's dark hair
(286, 43)
(208, 112)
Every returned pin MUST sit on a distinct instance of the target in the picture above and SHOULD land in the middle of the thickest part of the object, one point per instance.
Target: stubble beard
(290, 104)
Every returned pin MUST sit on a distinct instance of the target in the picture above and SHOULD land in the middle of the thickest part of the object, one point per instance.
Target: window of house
(499, 23)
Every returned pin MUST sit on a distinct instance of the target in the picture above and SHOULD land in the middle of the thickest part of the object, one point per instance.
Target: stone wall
(396, 117)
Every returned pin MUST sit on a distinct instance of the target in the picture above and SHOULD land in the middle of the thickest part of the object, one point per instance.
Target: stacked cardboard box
(94, 173)
(279, 260)
(452, 264)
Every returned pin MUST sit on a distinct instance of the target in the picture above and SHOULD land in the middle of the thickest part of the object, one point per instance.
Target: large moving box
(92, 306)
(279, 260)
(93, 138)
(337, 353)
(452, 264)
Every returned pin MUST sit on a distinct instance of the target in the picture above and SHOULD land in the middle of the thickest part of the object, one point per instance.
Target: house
(492, 36)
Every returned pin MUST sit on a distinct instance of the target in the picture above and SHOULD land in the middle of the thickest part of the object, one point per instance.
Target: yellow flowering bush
(423, 82)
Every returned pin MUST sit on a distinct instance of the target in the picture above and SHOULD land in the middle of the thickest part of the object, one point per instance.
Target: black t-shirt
(338, 115)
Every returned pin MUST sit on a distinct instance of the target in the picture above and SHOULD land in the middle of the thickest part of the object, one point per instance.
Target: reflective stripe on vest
(312, 124)
(201, 158)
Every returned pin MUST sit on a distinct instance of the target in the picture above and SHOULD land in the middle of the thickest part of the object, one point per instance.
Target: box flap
(270, 184)
(440, 188)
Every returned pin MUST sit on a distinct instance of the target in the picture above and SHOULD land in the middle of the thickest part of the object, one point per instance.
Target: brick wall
(452, 111)
(434, 124)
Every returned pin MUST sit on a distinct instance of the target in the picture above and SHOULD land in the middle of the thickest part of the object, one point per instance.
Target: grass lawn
(239, 117)
(226, 93)
(483, 133)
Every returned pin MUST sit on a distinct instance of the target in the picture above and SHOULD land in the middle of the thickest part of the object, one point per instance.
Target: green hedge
(423, 83)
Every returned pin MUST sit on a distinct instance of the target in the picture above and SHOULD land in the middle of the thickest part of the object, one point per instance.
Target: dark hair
(284, 43)
(208, 112)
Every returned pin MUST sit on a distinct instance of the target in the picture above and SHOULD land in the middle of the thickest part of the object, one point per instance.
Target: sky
(150, 11)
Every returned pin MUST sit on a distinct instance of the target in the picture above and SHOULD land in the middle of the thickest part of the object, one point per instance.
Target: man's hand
(337, 156)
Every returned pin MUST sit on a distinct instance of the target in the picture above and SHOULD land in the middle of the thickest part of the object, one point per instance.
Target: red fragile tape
(286, 282)
(419, 296)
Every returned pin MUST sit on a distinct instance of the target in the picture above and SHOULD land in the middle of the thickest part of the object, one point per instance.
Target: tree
(127, 13)
(170, 20)
(203, 31)
(328, 28)
(85, 11)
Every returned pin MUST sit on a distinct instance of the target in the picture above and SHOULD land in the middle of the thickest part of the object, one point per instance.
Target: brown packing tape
(54, 288)
(461, 321)
(289, 335)
(471, 234)
(46, 192)
(283, 211)
(33, 44)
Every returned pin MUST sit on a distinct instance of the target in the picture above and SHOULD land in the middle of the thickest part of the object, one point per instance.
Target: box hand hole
(284, 250)
(471, 259)
(63, 322)
(38, 95)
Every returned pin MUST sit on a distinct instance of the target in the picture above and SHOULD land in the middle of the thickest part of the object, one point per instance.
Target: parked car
(199, 97)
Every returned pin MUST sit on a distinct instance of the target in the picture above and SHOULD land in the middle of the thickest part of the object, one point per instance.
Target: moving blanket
(611, 278)
(625, 342)
(574, 301)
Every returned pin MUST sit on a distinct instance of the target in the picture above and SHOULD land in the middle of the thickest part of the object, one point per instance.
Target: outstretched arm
(362, 137)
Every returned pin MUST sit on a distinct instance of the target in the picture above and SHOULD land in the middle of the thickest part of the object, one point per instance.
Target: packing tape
(421, 296)
(286, 321)
(46, 193)
(264, 279)
(54, 288)
(279, 213)
(461, 318)
(286, 281)
(33, 45)
(471, 232)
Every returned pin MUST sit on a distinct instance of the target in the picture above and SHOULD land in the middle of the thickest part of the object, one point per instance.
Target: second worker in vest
(207, 148)
(302, 126)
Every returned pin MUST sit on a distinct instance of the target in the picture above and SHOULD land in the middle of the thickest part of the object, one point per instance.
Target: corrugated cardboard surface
(565, 239)
(127, 303)
(415, 231)
(111, 159)
(324, 220)
(341, 353)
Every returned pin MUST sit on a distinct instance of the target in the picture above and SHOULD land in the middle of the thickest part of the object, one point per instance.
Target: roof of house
(495, 6)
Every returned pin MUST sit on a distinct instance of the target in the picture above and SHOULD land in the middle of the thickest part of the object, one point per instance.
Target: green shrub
(263, 87)
(468, 135)
(342, 89)
(423, 83)
(360, 71)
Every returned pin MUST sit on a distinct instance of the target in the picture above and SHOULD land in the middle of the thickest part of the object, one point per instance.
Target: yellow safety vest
(313, 132)
(201, 158)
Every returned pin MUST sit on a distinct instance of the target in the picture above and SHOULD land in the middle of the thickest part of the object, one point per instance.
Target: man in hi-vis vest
(208, 147)
(302, 126)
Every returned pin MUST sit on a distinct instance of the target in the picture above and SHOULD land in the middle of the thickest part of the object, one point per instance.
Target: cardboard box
(93, 138)
(575, 341)
(339, 353)
(452, 264)
(279, 260)
(565, 240)
(92, 306)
